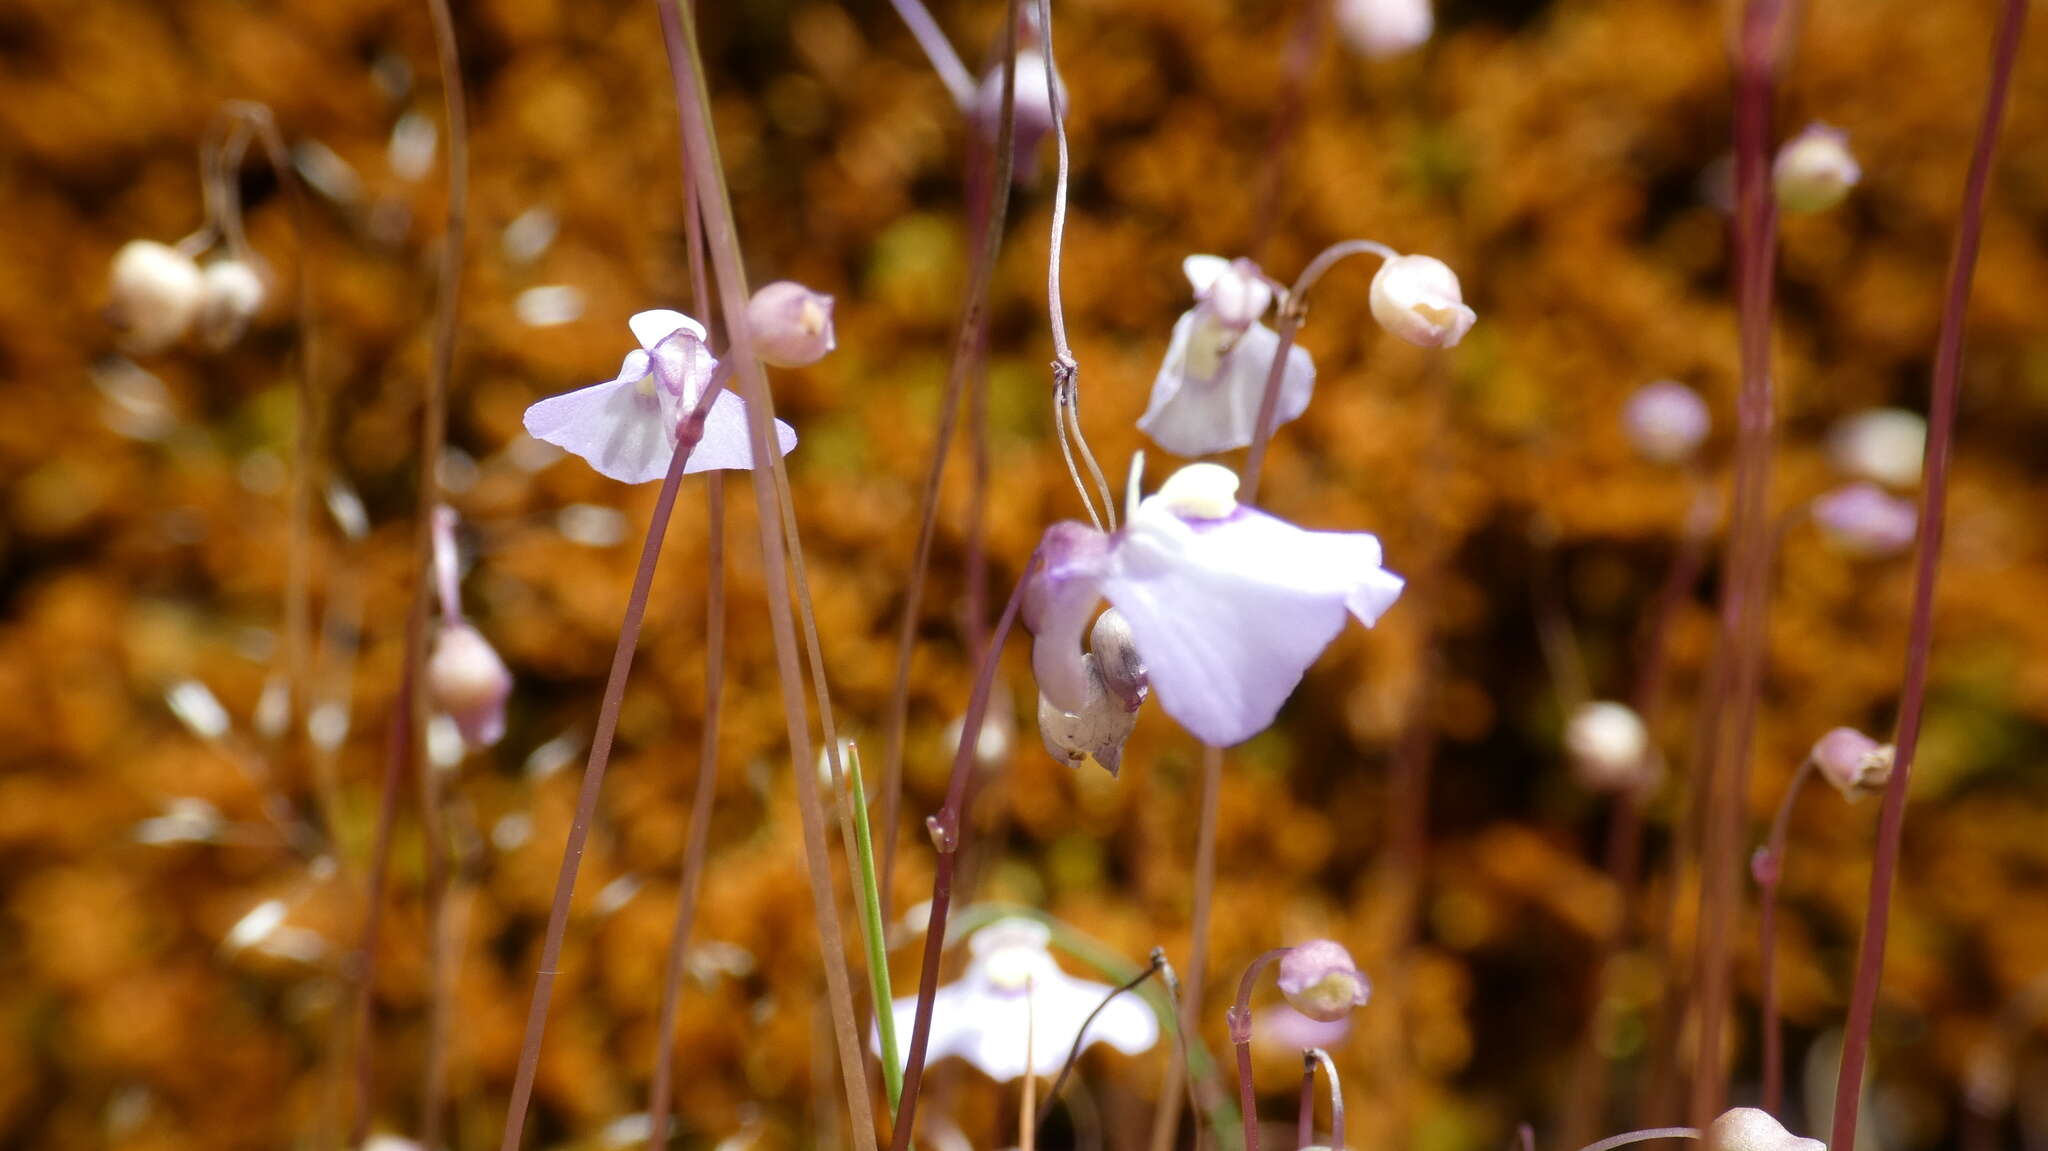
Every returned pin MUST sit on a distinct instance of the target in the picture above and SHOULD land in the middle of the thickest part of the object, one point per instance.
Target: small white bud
(468, 681)
(232, 296)
(1097, 731)
(791, 325)
(1376, 29)
(1418, 299)
(1117, 659)
(1883, 445)
(1609, 746)
(154, 294)
(1750, 1129)
(1814, 170)
(1666, 421)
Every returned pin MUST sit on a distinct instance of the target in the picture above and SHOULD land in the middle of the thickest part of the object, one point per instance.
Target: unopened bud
(1814, 170)
(1864, 520)
(1855, 763)
(1750, 1129)
(232, 296)
(1418, 299)
(1883, 445)
(467, 680)
(1233, 292)
(1320, 980)
(1376, 29)
(791, 325)
(1609, 747)
(1666, 421)
(154, 294)
(1117, 659)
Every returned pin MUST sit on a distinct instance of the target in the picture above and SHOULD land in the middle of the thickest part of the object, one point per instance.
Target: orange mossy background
(1553, 153)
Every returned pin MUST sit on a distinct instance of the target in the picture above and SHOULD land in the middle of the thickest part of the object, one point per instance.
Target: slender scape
(1947, 386)
(1768, 868)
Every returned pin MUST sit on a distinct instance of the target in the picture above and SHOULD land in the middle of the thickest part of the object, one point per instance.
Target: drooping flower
(1032, 99)
(469, 682)
(1418, 299)
(1883, 445)
(1752, 1129)
(1665, 421)
(1864, 520)
(1207, 394)
(1814, 170)
(154, 293)
(232, 293)
(791, 325)
(1321, 981)
(1609, 747)
(1376, 29)
(1855, 763)
(626, 427)
(1227, 606)
(1096, 731)
(1013, 984)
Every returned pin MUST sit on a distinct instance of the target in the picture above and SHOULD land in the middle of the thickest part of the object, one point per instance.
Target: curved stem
(1166, 1120)
(973, 326)
(948, 829)
(1628, 1137)
(1292, 309)
(1241, 1038)
(1768, 866)
(1081, 1036)
(1947, 387)
(1305, 1123)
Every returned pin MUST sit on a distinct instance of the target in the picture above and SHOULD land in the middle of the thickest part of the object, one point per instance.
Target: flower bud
(232, 295)
(1376, 29)
(1666, 421)
(1097, 731)
(1609, 747)
(791, 325)
(1750, 1129)
(1417, 298)
(1864, 520)
(1320, 980)
(1883, 445)
(1032, 109)
(1855, 763)
(1233, 292)
(1117, 659)
(467, 680)
(154, 294)
(1814, 170)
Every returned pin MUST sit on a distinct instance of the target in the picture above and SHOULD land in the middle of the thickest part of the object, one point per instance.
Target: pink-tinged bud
(232, 295)
(791, 325)
(1320, 980)
(1864, 520)
(1376, 29)
(1666, 421)
(1417, 298)
(1814, 170)
(467, 680)
(1882, 445)
(154, 294)
(1609, 747)
(1749, 1129)
(1855, 763)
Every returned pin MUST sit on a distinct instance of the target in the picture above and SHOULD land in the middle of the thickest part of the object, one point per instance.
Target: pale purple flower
(467, 680)
(1864, 520)
(1012, 984)
(1376, 29)
(1032, 99)
(1227, 606)
(1665, 421)
(1207, 394)
(1283, 1029)
(1321, 981)
(1751, 1129)
(626, 427)
(1853, 762)
(1814, 170)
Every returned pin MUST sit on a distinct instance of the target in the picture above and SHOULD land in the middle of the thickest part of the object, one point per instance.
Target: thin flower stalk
(948, 830)
(1304, 43)
(1310, 1058)
(1166, 1118)
(398, 755)
(1305, 1121)
(1158, 961)
(966, 348)
(1947, 388)
(693, 101)
(939, 50)
(434, 429)
(1645, 1136)
(1742, 606)
(1769, 868)
(1241, 1038)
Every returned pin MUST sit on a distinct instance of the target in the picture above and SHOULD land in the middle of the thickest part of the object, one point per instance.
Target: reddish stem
(1947, 387)
(1241, 1038)
(1768, 867)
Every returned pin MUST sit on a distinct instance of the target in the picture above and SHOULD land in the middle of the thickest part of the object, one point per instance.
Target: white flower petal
(655, 325)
